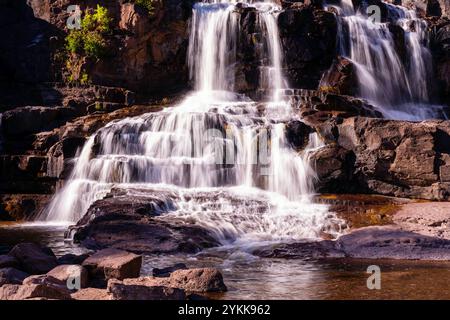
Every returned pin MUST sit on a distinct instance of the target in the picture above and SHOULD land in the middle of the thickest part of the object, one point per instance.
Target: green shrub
(94, 45)
(84, 78)
(74, 41)
(90, 41)
(146, 4)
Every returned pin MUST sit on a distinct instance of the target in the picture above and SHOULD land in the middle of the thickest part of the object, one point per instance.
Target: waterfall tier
(215, 142)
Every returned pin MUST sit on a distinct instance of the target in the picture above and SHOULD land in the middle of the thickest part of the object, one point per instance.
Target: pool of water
(250, 277)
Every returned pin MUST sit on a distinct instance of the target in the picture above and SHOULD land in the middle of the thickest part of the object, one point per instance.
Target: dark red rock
(34, 259)
(11, 276)
(126, 222)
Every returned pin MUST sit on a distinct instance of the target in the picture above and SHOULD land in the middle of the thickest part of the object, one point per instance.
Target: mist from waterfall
(225, 160)
(396, 84)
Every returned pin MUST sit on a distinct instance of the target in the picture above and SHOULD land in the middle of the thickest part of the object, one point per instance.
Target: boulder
(7, 261)
(127, 222)
(198, 280)
(36, 287)
(189, 280)
(91, 294)
(8, 291)
(11, 276)
(34, 259)
(70, 273)
(113, 264)
(136, 290)
(297, 133)
(333, 166)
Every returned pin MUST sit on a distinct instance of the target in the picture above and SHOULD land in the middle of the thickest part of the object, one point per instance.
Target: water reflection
(251, 277)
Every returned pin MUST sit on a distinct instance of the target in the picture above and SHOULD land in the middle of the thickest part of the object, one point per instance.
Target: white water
(398, 88)
(220, 161)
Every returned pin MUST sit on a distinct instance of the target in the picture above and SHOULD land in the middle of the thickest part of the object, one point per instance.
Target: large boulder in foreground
(131, 222)
(121, 290)
(198, 280)
(178, 286)
(113, 264)
(70, 274)
(91, 294)
(36, 287)
(33, 259)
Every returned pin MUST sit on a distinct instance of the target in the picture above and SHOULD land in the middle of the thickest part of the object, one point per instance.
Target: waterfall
(397, 85)
(225, 160)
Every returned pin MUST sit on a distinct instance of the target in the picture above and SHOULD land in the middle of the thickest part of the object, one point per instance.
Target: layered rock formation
(148, 56)
(395, 158)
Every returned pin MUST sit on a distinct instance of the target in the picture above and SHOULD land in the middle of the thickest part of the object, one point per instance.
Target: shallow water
(250, 277)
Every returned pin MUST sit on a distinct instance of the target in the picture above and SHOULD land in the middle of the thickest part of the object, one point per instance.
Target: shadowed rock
(34, 259)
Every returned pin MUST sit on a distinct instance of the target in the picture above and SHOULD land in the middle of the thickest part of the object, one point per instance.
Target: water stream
(215, 141)
(399, 85)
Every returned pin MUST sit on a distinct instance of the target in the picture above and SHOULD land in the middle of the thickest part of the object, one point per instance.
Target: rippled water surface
(250, 277)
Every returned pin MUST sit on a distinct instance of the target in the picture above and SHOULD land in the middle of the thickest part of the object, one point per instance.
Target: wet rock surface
(120, 272)
(408, 234)
(131, 223)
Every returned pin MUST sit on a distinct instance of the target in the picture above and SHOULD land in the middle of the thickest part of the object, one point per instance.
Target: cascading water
(225, 161)
(397, 85)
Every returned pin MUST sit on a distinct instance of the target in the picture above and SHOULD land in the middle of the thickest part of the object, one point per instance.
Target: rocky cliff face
(147, 52)
(395, 158)
(50, 119)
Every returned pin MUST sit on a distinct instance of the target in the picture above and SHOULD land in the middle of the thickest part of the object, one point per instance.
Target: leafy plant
(90, 40)
(146, 4)
(84, 78)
